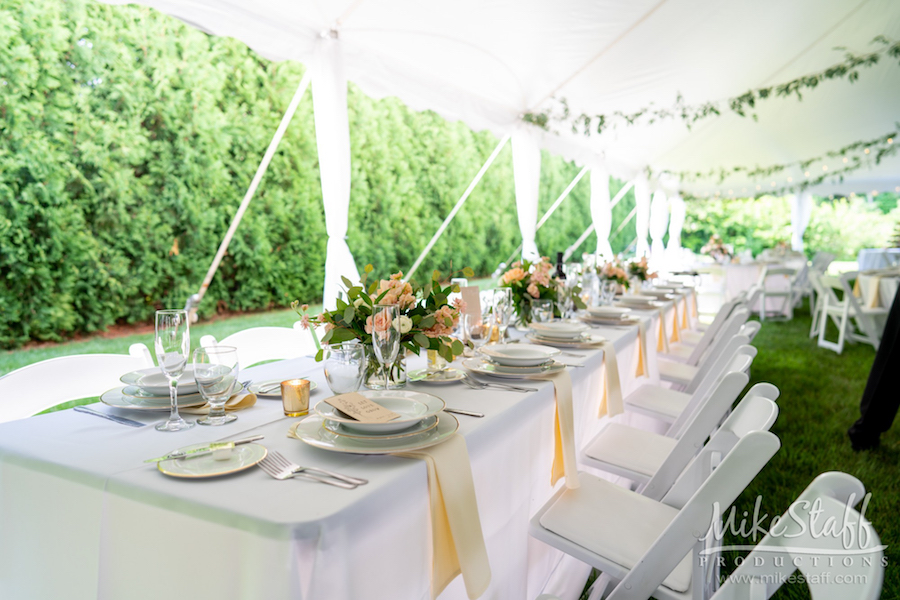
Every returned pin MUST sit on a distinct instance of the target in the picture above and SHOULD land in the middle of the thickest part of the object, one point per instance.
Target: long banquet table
(81, 516)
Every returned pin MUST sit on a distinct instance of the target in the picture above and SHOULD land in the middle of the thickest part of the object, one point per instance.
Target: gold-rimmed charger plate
(116, 398)
(242, 457)
(484, 368)
(310, 431)
(420, 427)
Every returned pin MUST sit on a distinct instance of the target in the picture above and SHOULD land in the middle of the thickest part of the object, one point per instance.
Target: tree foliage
(127, 140)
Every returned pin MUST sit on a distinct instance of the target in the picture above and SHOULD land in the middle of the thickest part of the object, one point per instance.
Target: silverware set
(483, 385)
(113, 418)
(277, 466)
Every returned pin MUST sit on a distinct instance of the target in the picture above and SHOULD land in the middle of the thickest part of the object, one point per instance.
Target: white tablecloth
(877, 258)
(81, 516)
(879, 289)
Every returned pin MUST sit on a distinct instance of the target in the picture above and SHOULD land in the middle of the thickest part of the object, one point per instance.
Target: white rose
(357, 302)
(404, 323)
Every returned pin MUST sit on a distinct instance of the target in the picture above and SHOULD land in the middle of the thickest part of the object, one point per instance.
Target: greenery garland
(855, 156)
(741, 105)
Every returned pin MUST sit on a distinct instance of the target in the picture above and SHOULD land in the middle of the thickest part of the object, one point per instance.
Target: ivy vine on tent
(742, 105)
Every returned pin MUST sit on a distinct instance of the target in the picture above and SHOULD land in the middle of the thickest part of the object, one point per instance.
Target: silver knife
(205, 450)
(457, 411)
(113, 418)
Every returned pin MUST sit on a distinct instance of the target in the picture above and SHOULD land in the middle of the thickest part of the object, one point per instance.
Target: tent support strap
(550, 210)
(459, 204)
(587, 232)
(194, 301)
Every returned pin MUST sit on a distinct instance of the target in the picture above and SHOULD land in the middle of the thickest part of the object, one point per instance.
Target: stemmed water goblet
(541, 310)
(216, 372)
(477, 329)
(503, 307)
(173, 347)
(386, 337)
(608, 290)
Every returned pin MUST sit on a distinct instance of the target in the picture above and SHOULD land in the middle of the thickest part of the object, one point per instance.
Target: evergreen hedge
(127, 140)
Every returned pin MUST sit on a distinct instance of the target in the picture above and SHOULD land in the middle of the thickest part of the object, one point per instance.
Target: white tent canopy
(487, 62)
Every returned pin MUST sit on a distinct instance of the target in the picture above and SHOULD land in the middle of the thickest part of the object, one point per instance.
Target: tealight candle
(295, 397)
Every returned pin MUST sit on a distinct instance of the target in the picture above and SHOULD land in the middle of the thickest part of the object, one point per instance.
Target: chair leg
(845, 321)
(762, 305)
(815, 317)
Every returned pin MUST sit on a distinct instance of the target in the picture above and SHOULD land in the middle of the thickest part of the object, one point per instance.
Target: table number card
(471, 296)
(361, 408)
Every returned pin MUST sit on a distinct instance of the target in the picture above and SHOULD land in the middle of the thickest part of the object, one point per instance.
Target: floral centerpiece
(613, 271)
(531, 281)
(640, 270)
(426, 317)
(717, 249)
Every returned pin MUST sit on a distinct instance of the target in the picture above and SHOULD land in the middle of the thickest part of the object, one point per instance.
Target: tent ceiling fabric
(487, 62)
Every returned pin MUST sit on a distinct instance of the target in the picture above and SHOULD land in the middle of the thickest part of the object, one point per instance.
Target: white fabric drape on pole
(642, 223)
(659, 222)
(527, 173)
(801, 210)
(601, 212)
(676, 224)
(329, 86)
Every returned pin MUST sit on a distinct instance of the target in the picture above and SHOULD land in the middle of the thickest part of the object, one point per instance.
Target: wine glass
(477, 329)
(386, 337)
(173, 346)
(345, 367)
(216, 372)
(503, 307)
(541, 310)
(608, 291)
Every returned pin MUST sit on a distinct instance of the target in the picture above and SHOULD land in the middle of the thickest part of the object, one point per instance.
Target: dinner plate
(141, 394)
(560, 329)
(481, 367)
(242, 457)
(608, 312)
(342, 430)
(659, 293)
(411, 405)
(518, 355)
(638, 302)
(276, 392)
(116, 398)
(592, 341)
(311, 431)
(443, 376)
(601, 322)
(153, 381)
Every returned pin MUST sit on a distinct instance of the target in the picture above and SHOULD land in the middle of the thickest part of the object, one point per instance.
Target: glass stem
(387, 375)
(173, 397)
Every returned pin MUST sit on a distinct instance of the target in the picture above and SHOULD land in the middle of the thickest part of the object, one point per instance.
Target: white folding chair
(816, 300)
(681, 374)
(42, 385)
(653, 461)
(867, 330)
(693, 338)
(784, 290)
(750, 329)
(259, 344)
(834, 567)
(646, 547)
(821, 261)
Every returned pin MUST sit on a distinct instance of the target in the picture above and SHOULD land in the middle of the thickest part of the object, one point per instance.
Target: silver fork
(279, 467)
(484, 385)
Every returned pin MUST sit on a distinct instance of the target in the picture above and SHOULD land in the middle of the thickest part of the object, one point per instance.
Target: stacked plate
(661, 293)
(148, 389)
(421, 424)
(638, 301)
(609, 315)
(514, 361)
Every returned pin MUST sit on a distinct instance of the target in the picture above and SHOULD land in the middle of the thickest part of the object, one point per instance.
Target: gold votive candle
(295, 397)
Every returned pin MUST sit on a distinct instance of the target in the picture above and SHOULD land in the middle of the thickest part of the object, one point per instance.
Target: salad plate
(560, 329)
(153, 381)
(448, 375)
(242, 457)
(342, 430)
(115, 397)
(412, 406)
(311, 431)
(477, 365)
(587, 342)
(518, 355)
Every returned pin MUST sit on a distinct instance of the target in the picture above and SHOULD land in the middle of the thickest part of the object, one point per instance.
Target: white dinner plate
(638, 302)
(273, 387)
(142, 394)
(518, 355)
(591, 341)
(439, 377)
(560, 329)
(612, 322)
(152, 381)
(411, 405)
(658, 293)
(311, 431)
(115, 397)
(242, 457)
(608, 312)
(482, 367)
(344, 431)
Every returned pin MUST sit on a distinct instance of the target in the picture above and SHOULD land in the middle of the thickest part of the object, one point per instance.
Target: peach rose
(512, 276)
(533, 290)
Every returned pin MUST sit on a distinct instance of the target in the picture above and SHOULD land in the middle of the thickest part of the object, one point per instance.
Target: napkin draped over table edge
(663, 344)
(239, 401)
(641, 369)
(563, 429)
(611, 403)
(874, 284)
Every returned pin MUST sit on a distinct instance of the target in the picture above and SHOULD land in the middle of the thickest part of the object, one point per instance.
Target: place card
(358, 407)
(471, 295)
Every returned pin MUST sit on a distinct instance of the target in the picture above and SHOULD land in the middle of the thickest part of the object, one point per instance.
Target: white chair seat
(691, 337)
(664, 401)
(629, 448)
(676, 372)
(678, 352)
(615, 523)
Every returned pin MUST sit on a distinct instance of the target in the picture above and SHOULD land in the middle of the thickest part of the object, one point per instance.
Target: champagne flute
(173, 346)
(386, 337)
(216, 372)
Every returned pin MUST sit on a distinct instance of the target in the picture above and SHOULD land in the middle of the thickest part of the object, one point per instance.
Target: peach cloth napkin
(694, 302)
(663, 344)
(563, 430)
(239, 401)
(873, 283)
(456, 535)
(611, 403)
(684, 313)
(641, 370)
(675, 337)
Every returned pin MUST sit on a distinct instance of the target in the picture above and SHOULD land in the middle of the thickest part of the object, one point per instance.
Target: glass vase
(375, 372)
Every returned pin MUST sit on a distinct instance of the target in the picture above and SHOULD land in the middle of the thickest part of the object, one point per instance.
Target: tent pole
(459, 204)
(194, 301)
(550, 211)
(587, 232)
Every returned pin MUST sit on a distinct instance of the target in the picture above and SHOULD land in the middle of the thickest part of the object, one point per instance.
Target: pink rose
(533, 290)
(380, 322)
(304, 322)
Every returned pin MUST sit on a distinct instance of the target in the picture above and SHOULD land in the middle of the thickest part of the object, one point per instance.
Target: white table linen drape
(801, 210)
(601, 212)
(527, 174)
(676, 224)
(329, 87)
(642, 217)
(659, 222)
